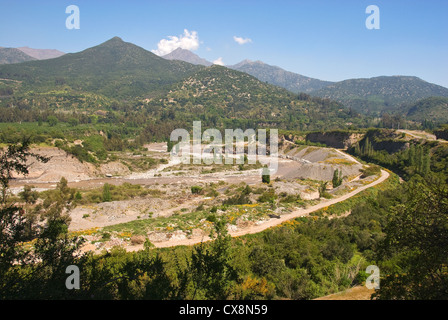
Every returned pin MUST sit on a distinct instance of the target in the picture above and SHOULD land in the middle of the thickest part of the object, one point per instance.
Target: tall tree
(415, 250)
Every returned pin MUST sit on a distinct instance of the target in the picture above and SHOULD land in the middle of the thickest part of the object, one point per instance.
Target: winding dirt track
(272, 222)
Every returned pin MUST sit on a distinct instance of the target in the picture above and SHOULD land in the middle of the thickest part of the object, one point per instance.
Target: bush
(290, 198)
(107, 197)
(370, 171)
(268, 196)
(196, 190)
(237, 200)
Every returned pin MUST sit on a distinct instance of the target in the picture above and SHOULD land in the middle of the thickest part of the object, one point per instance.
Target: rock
(155, 236)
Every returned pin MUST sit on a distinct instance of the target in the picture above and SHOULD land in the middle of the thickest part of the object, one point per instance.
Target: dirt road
(418, 134)
(272, 222)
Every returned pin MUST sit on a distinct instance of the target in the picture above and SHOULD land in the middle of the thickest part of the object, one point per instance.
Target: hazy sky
(325, 39)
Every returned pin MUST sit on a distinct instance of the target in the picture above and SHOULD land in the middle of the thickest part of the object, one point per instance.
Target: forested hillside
(375, 95)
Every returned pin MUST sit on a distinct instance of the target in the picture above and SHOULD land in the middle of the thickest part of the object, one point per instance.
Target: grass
(338, 161)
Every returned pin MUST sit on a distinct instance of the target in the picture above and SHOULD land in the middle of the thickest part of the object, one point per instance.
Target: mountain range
(138, 83)
(23, 54)
(42, 54)
(277, 76)
(264, 72)
(379, 94)
(13, 55)
(114, 68)
(369, 96)
(122, 70)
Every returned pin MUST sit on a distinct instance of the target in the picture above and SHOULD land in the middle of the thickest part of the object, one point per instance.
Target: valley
(90, 178)
(168, 193)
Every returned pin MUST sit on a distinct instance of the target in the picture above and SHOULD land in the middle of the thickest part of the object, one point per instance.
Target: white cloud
(241, 40)
(219, 61)
(189, 41)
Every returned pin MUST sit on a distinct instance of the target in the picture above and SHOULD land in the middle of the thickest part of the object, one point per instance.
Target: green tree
(58, 203)
(107, 196)
(73, 122)
(323, 190)
(52, 121)
(210, 269)
(337, 178)
(266, 176)
(415, 250)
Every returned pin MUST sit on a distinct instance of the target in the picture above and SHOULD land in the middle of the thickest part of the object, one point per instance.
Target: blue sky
(324, 39)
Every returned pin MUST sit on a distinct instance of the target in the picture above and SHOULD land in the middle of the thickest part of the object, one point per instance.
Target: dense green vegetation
(419, 158)
(432, 110)
(114, 68)
(375, 95)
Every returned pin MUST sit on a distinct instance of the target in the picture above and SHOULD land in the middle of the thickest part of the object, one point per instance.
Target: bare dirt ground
(274, 221)
(297, 169)
(355, 293)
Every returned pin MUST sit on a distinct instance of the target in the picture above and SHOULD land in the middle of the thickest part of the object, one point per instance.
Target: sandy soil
(307, 163)
(272, 222)
(355, 293)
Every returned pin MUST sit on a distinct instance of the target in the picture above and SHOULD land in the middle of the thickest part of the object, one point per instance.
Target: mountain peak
(277, 76)
(247, 62)
(41, 54)
(117, 39)
(113, 41)
(13, 55)
(187, 56)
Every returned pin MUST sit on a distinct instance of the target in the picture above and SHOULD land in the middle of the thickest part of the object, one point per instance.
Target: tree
(30, 213)
(266, 176)
(323, 190)
(209, 267)
(415, 250)
(52, 121)
(337, 178)
(73, 122)
(107, 197)
(13, 223)
(58, 203)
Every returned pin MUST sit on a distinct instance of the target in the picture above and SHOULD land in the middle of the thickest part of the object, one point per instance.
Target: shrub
(370, 171)
(196, 190)
(237, 200)
(268, 196)
(266, 177)
(107, 197)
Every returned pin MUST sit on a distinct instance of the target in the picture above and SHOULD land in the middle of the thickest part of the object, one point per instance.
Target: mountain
(434, 109)
(218, 92)
(187, 56)
(385, 93)
(277, 76)
(119, 81)
(13, 55)
(41, 54)
(114, 68)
